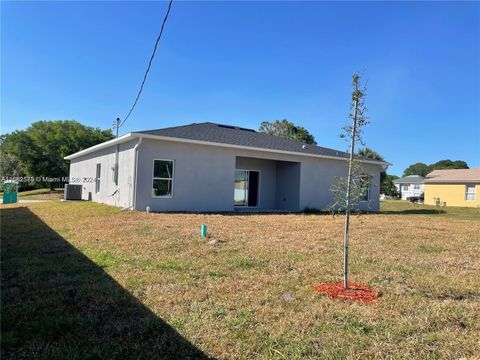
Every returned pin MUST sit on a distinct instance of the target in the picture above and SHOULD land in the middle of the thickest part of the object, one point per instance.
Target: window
(246, 188)
(405, 187)
(416, 187)
(470, 192)
(162, 178)
(97, 178)
(365, 188)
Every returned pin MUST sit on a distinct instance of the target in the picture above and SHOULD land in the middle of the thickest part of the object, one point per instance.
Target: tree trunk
(347, 210)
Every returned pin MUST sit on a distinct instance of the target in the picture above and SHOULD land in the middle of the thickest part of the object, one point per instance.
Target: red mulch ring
(355, 292)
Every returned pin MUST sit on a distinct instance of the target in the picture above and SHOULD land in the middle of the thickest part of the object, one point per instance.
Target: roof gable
(454, 176)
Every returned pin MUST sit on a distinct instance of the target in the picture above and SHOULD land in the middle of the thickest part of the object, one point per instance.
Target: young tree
(288, 130)
(372, 154)
(350, 190)
(387, 187)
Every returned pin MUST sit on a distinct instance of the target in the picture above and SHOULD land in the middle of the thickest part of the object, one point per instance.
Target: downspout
(135, 166)
(115, 173)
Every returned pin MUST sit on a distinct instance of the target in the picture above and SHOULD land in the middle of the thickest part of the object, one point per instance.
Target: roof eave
(101, 146)
(469, 181)
(384, 164)
(133, 135)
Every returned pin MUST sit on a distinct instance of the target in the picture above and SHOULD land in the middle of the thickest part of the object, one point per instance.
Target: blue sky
(245, 62)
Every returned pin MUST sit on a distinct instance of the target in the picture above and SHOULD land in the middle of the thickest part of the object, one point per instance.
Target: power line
(149, 65)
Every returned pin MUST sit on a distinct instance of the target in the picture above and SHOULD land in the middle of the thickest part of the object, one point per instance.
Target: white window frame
(407, 186)
(158, 178)
(416, 187)
(473, 198)
(98, 176)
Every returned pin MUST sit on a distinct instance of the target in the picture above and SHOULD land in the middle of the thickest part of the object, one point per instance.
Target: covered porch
(266, 185)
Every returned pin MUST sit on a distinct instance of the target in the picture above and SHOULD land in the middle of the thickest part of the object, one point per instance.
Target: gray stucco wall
(288, 186)
(317, 177)
(204, 177)
(83, 171)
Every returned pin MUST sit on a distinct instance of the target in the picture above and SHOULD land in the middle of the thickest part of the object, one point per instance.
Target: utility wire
(149, 64)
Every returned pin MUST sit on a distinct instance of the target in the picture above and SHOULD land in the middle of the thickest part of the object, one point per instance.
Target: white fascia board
(384, 164)
(100, 146)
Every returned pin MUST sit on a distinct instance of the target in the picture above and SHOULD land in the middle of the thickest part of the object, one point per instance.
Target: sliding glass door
(246, 188)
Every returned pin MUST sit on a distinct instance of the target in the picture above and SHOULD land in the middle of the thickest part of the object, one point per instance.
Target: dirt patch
(355, 292)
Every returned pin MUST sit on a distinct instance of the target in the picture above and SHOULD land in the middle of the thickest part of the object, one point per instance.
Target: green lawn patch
(80, 280)
(403, 207)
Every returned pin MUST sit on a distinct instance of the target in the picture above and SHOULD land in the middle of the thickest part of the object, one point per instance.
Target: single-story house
(459, 187)
(214, 168)
(409, 186)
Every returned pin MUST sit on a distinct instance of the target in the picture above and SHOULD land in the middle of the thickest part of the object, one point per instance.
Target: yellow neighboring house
(454, 187)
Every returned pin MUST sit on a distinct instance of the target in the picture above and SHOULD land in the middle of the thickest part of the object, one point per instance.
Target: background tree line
(422, 169)
(39, 150)
(288, 130)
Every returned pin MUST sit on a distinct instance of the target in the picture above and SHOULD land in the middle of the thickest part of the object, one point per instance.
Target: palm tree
(372, 154)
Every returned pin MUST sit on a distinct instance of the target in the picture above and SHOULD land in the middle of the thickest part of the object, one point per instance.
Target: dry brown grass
(226, 298)
(41, 194)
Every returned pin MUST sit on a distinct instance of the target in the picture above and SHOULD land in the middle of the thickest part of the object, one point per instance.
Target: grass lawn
(40, 194)
(83, 280)
(404, 207)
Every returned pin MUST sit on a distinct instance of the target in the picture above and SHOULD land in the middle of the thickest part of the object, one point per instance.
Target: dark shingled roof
(233, 135)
